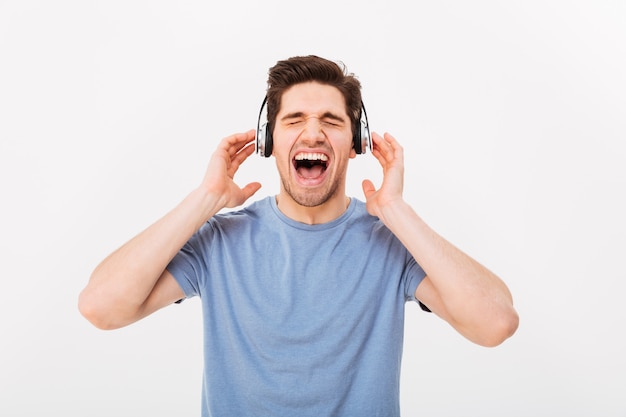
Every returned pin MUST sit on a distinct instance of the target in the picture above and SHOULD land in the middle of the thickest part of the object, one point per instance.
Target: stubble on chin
(311, 198)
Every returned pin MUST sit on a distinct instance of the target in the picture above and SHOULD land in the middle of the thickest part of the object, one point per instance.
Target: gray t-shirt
(299, 320)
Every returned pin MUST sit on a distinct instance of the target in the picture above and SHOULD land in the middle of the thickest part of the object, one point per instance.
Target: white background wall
(512, 115)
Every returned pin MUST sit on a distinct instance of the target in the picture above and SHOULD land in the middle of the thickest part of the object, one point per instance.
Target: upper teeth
(311, 157)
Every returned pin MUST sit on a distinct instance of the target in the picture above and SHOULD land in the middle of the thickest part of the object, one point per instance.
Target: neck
(324, 213)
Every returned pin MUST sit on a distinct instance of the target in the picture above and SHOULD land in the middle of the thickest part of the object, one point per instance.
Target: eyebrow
(326, 115)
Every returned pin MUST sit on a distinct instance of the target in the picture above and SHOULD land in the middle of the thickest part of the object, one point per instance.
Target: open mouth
(310, 165)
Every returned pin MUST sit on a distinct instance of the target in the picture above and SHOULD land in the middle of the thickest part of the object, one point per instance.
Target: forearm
(477, 303)
(132, 283)
(459, 289)
(121, 283)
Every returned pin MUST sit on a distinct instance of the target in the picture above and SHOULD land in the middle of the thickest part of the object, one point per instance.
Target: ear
(352, 153)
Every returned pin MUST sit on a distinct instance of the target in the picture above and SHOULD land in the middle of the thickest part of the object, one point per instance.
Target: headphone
(361, 140)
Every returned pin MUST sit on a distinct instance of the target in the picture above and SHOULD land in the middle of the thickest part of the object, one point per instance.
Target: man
(303, 293)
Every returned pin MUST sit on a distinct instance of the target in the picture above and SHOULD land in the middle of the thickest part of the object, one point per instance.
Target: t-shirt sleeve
(414, 274)
(188, 267)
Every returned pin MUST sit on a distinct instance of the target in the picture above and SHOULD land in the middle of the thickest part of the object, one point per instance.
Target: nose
(312, 129)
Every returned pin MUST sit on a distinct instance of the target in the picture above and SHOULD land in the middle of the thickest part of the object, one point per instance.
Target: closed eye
(327, 119)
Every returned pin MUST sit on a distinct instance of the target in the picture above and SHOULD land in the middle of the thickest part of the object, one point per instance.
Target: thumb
(246, 192)
(250, 189)
(368, 188)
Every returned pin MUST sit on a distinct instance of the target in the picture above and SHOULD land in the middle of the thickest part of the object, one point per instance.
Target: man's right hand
(225, 161)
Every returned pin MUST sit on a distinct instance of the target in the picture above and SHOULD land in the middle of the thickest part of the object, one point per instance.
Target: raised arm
(133, 282)
(457, 288)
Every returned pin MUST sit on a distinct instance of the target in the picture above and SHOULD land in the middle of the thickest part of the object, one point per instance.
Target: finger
(377, 140)
(379, 144)
(239, 158)
(382, 145)
(368, 188)
(236, 142)
(381, 159)
(242, 140)
(394, 145)
(244, 194)
(389, 138)
(250, 189)
(391, 149)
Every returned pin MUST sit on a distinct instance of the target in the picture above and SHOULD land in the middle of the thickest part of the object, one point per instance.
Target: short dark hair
(301, 69)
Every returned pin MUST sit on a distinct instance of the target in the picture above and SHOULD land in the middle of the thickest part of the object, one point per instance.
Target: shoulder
(244, 220)
(250, 213)
(368, 230)
(361, 216)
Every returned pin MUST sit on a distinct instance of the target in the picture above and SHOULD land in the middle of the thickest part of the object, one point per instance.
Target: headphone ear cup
(269, 141)
(362, 139)
(356, 140)
(264, 141)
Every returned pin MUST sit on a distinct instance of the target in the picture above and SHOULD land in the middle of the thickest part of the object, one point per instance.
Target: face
(312, 143)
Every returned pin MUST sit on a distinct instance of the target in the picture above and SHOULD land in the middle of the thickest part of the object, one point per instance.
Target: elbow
(500, 330)
(95, 313)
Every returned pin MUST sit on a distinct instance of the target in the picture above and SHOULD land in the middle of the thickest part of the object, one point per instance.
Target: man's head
(313, 109)
(302, 69)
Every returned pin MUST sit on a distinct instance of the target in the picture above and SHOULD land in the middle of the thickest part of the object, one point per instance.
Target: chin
(311, 197)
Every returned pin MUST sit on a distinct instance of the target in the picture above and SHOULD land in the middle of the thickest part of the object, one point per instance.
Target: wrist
(394, 213)
(205, 203)
(392, 208)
